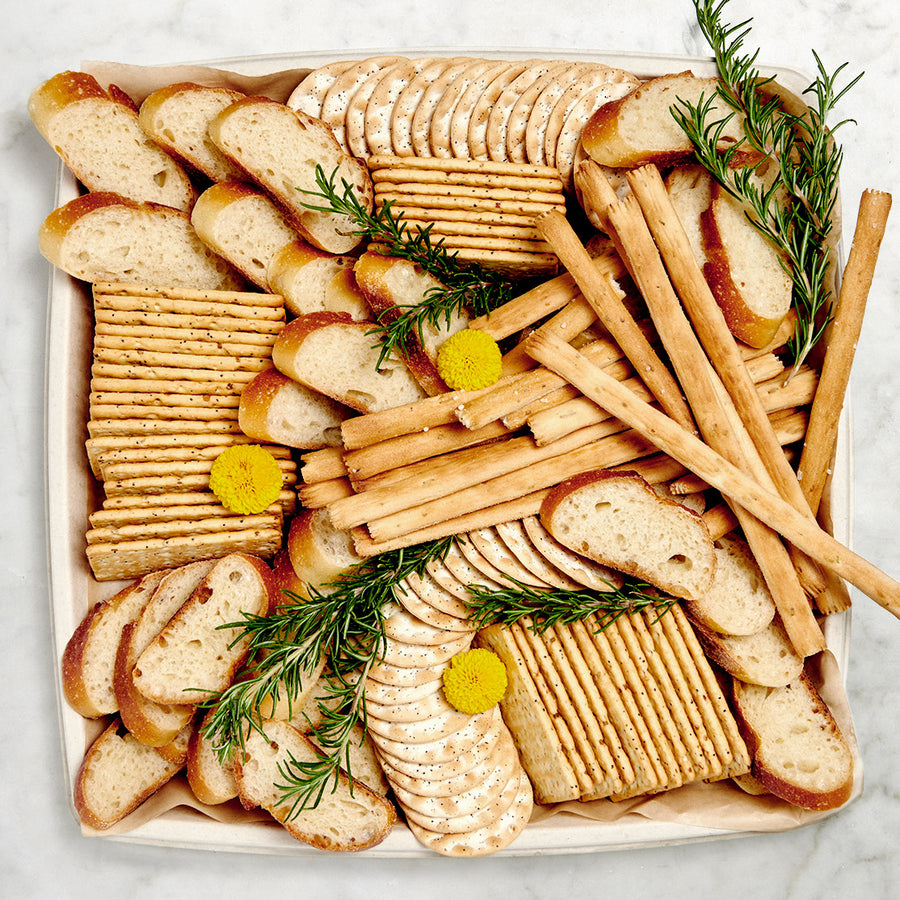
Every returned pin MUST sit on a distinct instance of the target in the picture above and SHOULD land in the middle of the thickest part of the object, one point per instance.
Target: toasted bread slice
(617, 519)
(350, 817)
(119, 773)
(639, 128)
(177, 117)
(103, 236)
(799, 753)
(338, 356)
(89, 658)
(281, 149)
(242, 225)
(98, 136)
(194, 657)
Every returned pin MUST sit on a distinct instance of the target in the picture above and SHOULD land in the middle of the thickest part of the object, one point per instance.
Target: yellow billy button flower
(468, 360)
(245, 478)
(475, 680)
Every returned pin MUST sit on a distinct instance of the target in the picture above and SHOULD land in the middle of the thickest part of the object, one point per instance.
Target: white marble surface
(42, 854)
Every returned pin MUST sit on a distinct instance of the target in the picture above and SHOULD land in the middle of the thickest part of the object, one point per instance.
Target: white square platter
(71, 495)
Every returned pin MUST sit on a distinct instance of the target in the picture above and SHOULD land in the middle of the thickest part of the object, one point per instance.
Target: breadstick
(321, 493)
(818, 448)
(715, 415)
(322, 465)
(725, 477)
(556, 230)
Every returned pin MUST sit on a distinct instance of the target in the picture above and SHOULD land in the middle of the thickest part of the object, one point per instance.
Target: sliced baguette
(211, 781)
(280, 149)
(275, 408)
(97, 135)
(337, 356)
(319, 552)
(738, 601)
(618, 520)
(119, 773)
(639, 128)
(391, 285)
(177, 117)
(106, 237)
(242, 225)
(153, 723)
(799, 753)
(746, 272)
(89, 658)
(312, 280)
(765, 658)
(347, 818)
(193, 657)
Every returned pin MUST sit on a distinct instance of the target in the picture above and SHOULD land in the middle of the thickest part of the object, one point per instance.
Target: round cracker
(481, 111)
(544, 106)
(442, 117)
(496, 835)
(442, 749)
(518, 543)
(449, 774)
(419, 656)
(462, 112)
(503, 765)
(407, 103)
(523, 106)
(420, 133)
(495, 551)
(423, 731)
(403, 676)
(342, 90)
(498, 120)
(354, 126)
(379, 111)
(444, 578)
(414, 601)
(480, 817)
(405, 712)
(380, 692)
(468, 574)
(307, 97)
(407, 628)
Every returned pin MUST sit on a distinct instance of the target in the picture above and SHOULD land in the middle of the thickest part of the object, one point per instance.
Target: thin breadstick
(322, 465)
(322, 493)
(556, 230)
(818, 448)
(725, 477)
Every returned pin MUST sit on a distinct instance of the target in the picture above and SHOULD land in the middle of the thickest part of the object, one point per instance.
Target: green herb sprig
(471, 287)
(344, 626)
(794, 210)
(547, 608)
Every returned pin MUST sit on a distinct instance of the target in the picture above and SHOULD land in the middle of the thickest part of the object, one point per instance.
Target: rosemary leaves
(806, 164)
(471, 287)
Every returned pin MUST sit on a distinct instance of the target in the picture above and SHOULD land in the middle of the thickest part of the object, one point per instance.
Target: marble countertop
(42, 853)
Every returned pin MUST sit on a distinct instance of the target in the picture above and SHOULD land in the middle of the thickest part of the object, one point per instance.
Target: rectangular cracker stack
(483, 211)
(166, 376)
(630, 709)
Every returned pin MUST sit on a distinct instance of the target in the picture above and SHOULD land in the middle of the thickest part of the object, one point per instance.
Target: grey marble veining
(42, 854)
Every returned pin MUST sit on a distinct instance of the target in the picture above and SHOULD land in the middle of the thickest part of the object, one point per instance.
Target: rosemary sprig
(547, 608)
(795, 209)
(472, 287)
(344, 625)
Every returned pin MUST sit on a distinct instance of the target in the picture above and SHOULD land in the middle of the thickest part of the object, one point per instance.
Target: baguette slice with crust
(617, 519)
(119, 773)
(336, 355)
(276, 409)
(242, 225)
(746, 272)
(211, 781)
(390, 285)
(89, 658)
(280, 149)
(799, 753)
(639, 128)
(152, 723)
(97, 135)
(348, 818)
(193, 657)
(319, 552)
(312, 280)
(105, 237)
(177, 117)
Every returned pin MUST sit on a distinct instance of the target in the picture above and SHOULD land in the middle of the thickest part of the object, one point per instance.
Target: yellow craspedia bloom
(245, 478)
(468, 360)
(475, 680)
